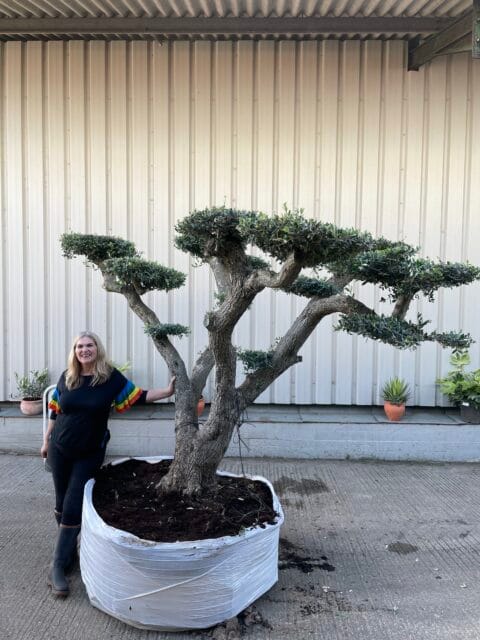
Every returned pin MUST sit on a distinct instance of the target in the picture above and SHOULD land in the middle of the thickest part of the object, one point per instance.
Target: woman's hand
(161, 394)
(171, 387)
(46, 438)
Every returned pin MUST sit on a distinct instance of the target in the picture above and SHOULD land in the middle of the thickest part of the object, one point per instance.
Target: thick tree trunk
(190, 473)
(198, 455)
(199, 451)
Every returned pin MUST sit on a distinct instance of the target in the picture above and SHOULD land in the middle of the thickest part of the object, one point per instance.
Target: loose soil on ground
(125, 497)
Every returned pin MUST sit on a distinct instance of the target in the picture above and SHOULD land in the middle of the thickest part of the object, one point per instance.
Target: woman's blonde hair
(102, 369)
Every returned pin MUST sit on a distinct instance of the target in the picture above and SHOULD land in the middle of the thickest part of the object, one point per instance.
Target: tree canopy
(347, 255)
(304, 257)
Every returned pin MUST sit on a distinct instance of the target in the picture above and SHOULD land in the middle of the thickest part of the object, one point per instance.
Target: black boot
(72, 563)
(64, 550)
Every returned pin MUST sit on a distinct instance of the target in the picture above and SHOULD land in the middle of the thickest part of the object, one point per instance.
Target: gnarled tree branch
(169, 353)
(401, 306)
(111, 284)
(221, 274)
(340, 281)
(203, 366)
(166, 349)
(285, 353)
(262, 278)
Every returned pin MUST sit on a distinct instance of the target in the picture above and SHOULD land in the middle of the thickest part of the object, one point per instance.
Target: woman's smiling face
(86, 351)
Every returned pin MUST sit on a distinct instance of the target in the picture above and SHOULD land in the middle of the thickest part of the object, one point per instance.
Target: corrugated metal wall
(126, 138)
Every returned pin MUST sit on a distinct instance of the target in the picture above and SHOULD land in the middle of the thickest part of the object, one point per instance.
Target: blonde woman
(77, 437)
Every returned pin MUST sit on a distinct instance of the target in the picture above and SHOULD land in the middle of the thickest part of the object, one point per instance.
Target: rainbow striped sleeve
(54, 405)
(127, 397)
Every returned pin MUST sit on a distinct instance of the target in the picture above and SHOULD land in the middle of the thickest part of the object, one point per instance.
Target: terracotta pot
(200, 406)
(31, 407)
(394, 412)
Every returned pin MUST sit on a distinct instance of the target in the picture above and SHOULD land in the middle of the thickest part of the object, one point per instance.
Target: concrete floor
(369, 551)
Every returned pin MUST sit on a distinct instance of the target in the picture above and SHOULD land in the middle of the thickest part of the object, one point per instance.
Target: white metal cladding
(126, 138)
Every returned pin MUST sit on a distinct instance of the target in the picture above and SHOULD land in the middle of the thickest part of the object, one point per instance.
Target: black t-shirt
(81, 415)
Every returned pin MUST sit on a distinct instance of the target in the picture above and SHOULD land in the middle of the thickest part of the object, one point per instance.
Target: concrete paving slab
(348, 415)
(272, 413)
(427, 415)
(369, 551)
(454, 415)
(9, 410)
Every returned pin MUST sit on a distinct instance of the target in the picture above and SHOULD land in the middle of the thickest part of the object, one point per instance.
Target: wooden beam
(219, 26)
(476, 29)
(441, 43)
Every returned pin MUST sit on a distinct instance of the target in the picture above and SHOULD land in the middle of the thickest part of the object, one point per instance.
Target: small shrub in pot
(30, 389)
(395, 393)
(462, 387)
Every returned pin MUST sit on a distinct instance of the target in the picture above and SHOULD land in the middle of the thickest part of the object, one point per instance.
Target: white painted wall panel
(304, 179)
(436, 156)
(4, 375)
(327, 190)
(14, 222)
(285, 163)
(391, 119)
(181, 177)
(201, 138)
(78, 295)
(471, 239)
(126, 138)
(265, 113)
(34, 214)
(346, 204)
(162, 219)
(454, 210)
(58, 334)
(140, 197)
(412, 181)
(244, 124)
(365, 385)
(118, 188)
(96, 135)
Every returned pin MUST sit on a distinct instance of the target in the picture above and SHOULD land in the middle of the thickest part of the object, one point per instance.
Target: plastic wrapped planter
(172, 586)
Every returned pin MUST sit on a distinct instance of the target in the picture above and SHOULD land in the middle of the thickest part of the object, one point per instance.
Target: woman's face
(86, 351)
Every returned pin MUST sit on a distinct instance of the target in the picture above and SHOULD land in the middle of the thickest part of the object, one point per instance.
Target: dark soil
(238, 627)
(124, 496)
(291, 559)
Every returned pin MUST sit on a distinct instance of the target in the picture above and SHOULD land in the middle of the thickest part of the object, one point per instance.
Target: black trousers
(70, 476)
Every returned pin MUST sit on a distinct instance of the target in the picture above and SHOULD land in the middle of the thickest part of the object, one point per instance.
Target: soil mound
(124, 496)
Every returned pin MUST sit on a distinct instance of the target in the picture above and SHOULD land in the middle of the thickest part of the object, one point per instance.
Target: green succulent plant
(396, 391)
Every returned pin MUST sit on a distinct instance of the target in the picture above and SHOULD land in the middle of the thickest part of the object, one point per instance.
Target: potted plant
(200, 406)
(222, 238)
(30, 390)
(182, 582)
(462, 387)
(395, 393)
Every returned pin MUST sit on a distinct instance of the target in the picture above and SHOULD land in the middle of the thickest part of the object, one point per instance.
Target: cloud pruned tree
(222, 237)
